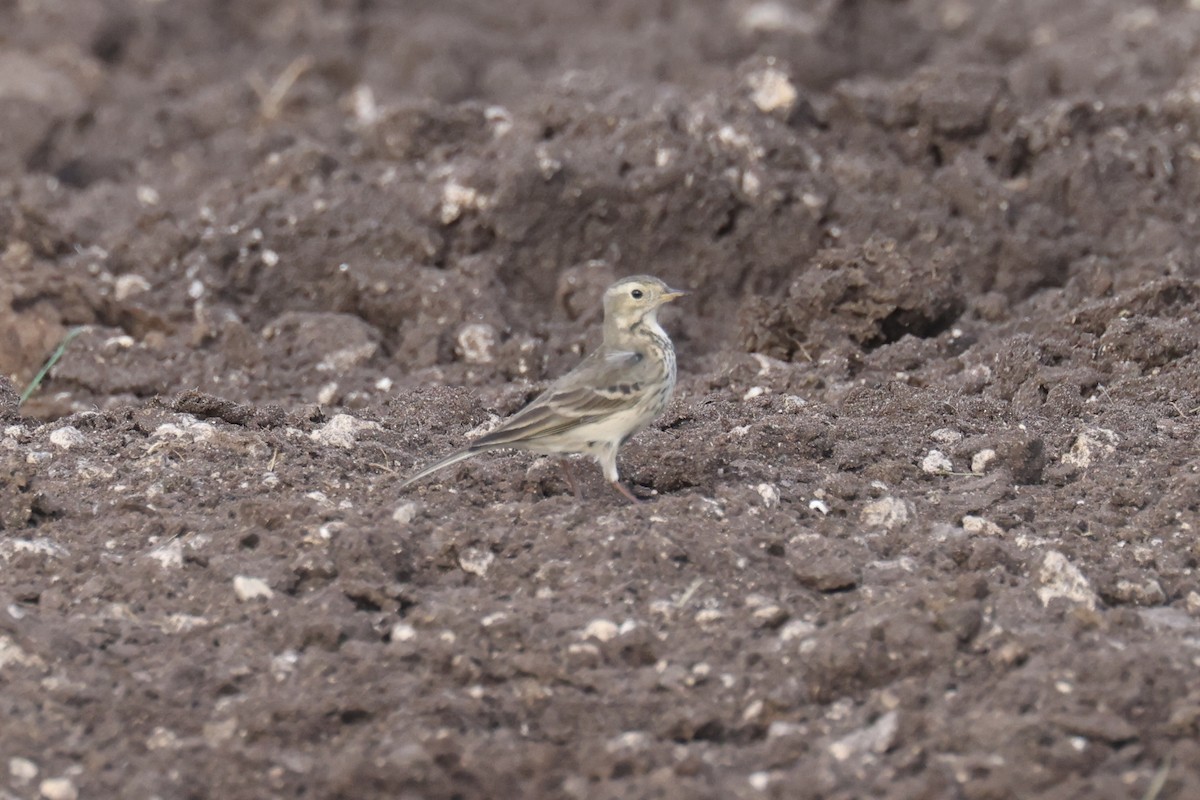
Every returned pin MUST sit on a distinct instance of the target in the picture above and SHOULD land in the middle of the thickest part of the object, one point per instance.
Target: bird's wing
(604, 383)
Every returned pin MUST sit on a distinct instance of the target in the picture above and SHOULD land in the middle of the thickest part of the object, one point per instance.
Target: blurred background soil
(925, 509)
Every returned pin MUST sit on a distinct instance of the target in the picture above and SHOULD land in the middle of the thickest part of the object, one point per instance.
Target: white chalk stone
(248, 589)
(342, 431)
(771, 90)
(886, 512)
(601, 629)
(58, 789)
(935, 462)
(67, 437)
(1062, 579)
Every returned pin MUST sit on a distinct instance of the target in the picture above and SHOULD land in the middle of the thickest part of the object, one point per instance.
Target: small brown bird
(611, 395)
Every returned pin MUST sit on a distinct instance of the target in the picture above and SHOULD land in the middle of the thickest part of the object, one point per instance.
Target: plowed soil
(922, 518)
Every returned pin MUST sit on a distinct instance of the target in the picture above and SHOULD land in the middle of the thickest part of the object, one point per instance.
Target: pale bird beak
(672, 294)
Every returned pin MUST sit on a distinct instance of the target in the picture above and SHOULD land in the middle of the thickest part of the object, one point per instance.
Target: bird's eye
(636, 294)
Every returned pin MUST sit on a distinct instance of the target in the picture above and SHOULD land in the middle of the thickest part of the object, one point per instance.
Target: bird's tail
(453, 458)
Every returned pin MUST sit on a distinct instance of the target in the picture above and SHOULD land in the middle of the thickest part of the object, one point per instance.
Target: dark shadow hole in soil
(711, 731)
(904, 321)
(363, 603)
(935, 155)
(110, 44)
(353, 716)
(730, 224)
(250, 541)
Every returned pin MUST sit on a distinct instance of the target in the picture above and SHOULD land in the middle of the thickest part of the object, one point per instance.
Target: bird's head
(630, 300)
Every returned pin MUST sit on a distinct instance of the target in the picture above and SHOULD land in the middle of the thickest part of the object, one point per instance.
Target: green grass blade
(50, 362)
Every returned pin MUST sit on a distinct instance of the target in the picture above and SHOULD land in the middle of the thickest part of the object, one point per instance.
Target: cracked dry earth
(923, 514)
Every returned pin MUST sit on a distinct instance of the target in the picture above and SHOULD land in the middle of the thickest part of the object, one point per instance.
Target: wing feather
(601, 385)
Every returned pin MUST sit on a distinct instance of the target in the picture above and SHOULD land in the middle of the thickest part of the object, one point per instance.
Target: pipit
(611, 395)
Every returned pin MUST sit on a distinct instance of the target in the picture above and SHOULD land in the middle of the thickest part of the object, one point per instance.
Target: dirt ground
(923, 516)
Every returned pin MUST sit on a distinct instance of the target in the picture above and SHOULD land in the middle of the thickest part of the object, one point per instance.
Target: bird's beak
(672, 294)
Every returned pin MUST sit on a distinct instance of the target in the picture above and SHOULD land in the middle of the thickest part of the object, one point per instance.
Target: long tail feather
(453, 458)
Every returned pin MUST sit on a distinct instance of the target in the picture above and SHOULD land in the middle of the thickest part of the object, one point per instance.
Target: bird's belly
(599, 435)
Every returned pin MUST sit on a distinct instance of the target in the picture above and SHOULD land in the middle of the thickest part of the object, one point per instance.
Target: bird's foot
(623, 489)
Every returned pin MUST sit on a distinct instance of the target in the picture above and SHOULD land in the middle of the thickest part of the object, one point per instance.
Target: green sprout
(50, 362)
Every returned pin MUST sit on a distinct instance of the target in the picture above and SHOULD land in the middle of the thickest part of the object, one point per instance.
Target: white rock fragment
(500, 118)
(771, 90)
(601, 630)
(67, 437)
(457, 198)
(217, 733)
(327, 394)
(403, 632)
(981, 526)
(875, 739)
(363, 105)
(169, 555)
(1092, 444)
(1060, 578)
(759, 781)
(22, 770)
(769, 494)
(347, 358)
(935, 462)
(1193, 603)
(477, 343)
(342, 431)
(630, 740)
(980, 461)
(796, 629)
(182, 623)
(188, 428)
(405, 513)
(820, 506)
(58, 789)
(476, 561)
(40, 546)
(773, 15)
(148, 196)
(1148, 593)
(12, 653)
(753, 392)
(886, 512)
(751, 183)
(248, 589)
(127, 285)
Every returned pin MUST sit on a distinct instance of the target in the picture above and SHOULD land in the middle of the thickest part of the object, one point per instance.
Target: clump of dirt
(922, 513)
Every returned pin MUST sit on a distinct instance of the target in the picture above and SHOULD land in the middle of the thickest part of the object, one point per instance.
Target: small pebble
(886, 512)
(248, 589)
(67, 437)
(601, 629)
(58, 789)
(22, 770)
(980, 461)
(936, 463)
(405, 513)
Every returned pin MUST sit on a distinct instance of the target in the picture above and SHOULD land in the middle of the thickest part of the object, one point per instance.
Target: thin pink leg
(620, 487)
(569, 477)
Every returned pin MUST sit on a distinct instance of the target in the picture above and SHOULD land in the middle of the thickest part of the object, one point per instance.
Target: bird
(616, 391)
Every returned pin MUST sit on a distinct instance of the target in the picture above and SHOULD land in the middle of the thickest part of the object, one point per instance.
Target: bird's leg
(623, 489)
(569, 476)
